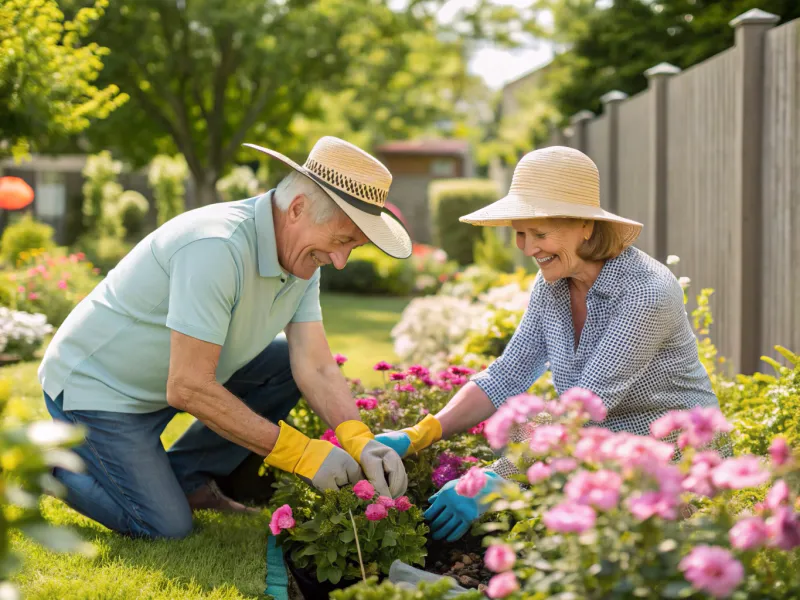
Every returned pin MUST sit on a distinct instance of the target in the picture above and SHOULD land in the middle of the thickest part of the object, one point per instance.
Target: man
(190, 320)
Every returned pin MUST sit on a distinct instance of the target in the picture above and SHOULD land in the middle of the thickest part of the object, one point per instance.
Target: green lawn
(224, 558)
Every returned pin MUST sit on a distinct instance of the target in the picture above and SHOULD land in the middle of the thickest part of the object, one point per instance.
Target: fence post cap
(663, 68)
(755, 16)
(584, 115)
(613, 96)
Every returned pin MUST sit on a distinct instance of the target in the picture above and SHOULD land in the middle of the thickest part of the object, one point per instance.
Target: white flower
(673, 260)
(684, 281)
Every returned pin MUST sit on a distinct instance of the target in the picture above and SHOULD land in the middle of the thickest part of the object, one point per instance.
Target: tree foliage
(47, 73)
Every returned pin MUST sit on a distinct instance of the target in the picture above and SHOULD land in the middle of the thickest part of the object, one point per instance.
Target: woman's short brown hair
(604, 243)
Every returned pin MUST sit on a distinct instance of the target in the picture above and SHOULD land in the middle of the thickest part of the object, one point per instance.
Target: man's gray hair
(323, 209)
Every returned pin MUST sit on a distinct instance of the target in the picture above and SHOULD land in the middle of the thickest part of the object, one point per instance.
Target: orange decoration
(14, 193)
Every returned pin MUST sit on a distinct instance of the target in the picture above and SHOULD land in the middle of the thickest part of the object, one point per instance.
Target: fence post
(579, 121)
(750, 28)
(658, 80)
(611, 101)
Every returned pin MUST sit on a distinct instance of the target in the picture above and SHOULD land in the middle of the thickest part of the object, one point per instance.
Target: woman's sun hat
(359, 184)
(553, 182)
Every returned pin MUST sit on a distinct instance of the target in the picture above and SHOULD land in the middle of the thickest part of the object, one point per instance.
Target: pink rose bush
(281, 519)
(619, 494)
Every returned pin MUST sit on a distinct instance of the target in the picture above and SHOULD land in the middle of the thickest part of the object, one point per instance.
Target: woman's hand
(451, 514)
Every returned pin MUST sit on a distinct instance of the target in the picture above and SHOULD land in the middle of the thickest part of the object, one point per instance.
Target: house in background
(414, 164)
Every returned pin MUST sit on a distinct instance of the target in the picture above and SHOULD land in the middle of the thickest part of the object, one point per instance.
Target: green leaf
(389, 539)
(346, 536)
(677, 589)
(332, 554)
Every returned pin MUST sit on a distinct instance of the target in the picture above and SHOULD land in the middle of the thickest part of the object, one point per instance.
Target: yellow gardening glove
(318, 462)
(379, 462)
(413, 439)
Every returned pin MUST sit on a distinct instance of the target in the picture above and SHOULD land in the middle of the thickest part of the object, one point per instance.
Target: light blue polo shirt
(211, 273)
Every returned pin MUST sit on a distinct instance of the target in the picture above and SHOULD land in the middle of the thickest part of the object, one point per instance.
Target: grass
(224, 557)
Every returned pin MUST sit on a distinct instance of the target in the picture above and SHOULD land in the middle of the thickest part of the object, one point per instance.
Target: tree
(47, 74)
(206, 75)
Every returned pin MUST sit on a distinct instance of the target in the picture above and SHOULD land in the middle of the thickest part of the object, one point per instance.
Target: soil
(462, 560)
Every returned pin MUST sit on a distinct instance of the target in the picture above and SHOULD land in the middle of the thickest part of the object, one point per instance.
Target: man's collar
(268, 265)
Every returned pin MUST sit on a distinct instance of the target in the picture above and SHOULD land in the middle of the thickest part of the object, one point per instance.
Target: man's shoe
(210, 497)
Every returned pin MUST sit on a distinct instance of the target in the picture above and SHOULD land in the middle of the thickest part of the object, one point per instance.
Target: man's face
(305, 245)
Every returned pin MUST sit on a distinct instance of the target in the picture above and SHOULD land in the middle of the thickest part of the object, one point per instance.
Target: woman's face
(553, 244)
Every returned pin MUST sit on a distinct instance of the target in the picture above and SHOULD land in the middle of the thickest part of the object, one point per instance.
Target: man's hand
(317, 462)
(380, 463)
(413, 439)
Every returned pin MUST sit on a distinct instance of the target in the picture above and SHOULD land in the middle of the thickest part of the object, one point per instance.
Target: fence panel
(597, 132)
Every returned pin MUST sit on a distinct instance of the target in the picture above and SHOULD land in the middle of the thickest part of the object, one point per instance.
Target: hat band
(366, 207)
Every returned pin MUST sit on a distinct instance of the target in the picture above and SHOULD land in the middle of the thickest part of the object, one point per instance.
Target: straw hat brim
(383, 229)
(517, 208)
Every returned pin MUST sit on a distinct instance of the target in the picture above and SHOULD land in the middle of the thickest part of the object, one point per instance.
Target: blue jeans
(135, 487)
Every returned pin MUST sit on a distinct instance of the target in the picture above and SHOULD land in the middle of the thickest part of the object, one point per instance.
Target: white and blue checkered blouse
(637, 350)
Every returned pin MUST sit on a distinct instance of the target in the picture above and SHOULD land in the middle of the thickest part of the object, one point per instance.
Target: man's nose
(339, 259)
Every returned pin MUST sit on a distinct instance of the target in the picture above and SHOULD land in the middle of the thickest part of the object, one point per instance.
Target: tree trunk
(205, 191)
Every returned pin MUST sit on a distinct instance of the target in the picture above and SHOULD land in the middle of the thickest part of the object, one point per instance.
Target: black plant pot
(310, 587)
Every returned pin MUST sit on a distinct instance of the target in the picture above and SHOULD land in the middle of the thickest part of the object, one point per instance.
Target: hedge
(454, 198)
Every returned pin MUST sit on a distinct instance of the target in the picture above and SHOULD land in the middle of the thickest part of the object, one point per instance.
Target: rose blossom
(784, 529)
(586, 400)
(402, 503)
(499, 558)
(701, 426)
(634, 450)
(599, 489)
(330, 436)
(547, 437)
(471, 483)
(382, 366)
(369, 403)
(364, 490)
(748, 534)
(570, 517)
(538, 471)
(777, 495)
(712, 569)
(516, 410)
(591, 439)
(502, 585)
(281, 519)
(564, 465)
(663, 426)
(739, 473)
(647, 504)
(376, 512)
(340, 359)
(780, 452)
(385, 501)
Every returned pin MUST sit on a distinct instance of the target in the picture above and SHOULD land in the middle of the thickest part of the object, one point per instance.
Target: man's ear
(297, 207)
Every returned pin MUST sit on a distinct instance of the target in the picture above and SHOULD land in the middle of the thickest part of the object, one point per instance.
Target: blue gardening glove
(452, 514)
(412, 439)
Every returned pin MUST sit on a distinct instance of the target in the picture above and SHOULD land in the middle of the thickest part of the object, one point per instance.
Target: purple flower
(444, 473)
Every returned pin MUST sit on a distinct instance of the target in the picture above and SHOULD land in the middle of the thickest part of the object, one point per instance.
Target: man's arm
(193, 388)
(317, 375)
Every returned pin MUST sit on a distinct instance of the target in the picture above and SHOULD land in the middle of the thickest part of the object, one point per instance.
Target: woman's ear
(588, 229)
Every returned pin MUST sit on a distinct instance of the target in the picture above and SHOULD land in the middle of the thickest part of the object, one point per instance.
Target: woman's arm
(466, 409)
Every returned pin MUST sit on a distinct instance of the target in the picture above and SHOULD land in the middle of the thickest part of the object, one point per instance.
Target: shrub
(490, 251)
(167, 176)
(100, 191)
(239, 184)
(370, 271)
(104, 251)
(371, 590)
(21, 333)
(132, 209)
(25, 235)
(454, 198)
(52, 284)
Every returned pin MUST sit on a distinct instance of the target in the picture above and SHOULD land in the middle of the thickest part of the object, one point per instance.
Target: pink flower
(424, 411)
(748, 534)
(635, 450)
(96, 270)
(701, 426)
(564, 465)
(585, 400)
(418, 371)
(499, 558)
(427, 381)
(739, 473)
(538, 471)
(502, 585)
(457, 380)
(364, 490)
(547, 437)
(62, 285)
(471, 483)
(340, 359)
(33, 296)
(455, 370)
(669, 477)
(376, 512)
(647, 504)
(777, 496)
(407, 387)
(382, 366)
(80, 256)
(281, 519)
(369, 403)
(784, 529)
(672, 421)
(402, 503)
(570, 517)
(516, 410)
(21, 289)
(599, 489)
(386, 501)
(712, 569)
(780, 452)
(397, 377)
(330, 436)
(478, 429)
(590, 442)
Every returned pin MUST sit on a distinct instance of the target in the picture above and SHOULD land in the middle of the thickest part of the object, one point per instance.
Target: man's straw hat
(359, 184)
(553, 182)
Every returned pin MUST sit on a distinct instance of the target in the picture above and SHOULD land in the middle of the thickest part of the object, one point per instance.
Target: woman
(602, 315)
